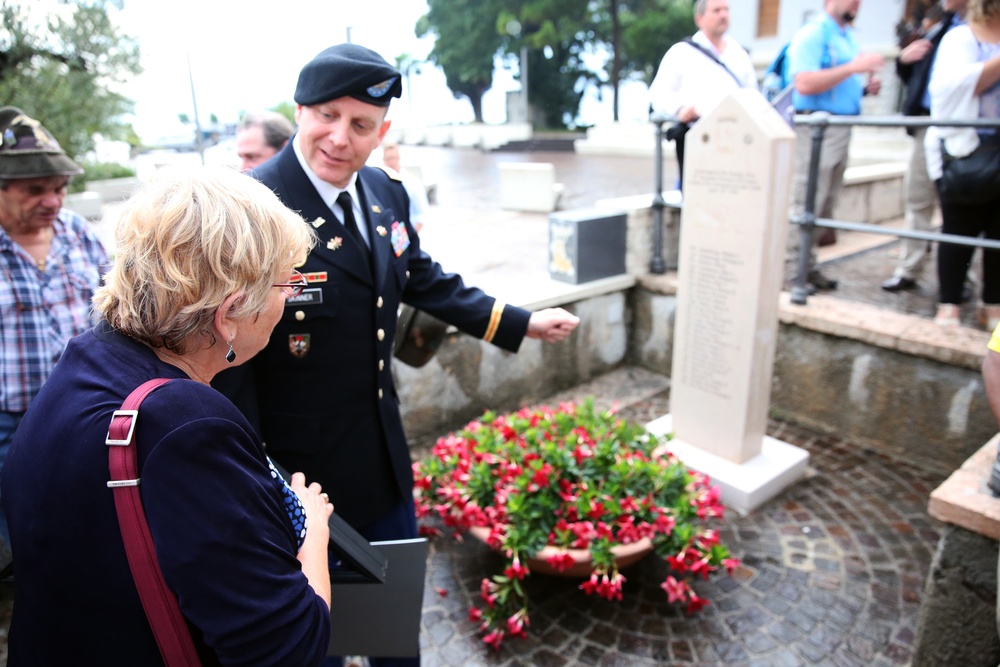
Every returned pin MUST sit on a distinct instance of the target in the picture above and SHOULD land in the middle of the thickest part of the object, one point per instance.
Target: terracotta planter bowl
(625, 555)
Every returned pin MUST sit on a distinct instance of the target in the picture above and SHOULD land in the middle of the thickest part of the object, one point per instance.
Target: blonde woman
(205, 261)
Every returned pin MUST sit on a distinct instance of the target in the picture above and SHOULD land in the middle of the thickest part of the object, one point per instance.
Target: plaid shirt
(40, 311)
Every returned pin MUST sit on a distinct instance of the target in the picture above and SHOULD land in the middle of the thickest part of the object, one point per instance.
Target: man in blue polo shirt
(830, 74)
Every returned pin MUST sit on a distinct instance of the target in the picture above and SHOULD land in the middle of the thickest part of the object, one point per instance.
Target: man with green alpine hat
(51, 262)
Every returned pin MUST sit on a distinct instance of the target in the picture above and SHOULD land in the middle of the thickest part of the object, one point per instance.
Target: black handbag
(973, 179)
(418, 336)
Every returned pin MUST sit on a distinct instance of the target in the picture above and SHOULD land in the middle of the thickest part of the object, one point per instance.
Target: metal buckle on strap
(123, 482)
(131, 429)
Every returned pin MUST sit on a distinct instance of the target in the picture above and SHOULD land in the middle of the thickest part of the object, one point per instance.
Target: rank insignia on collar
(298, 345)
(335, 243)
(376, 208)
(318, 222)
(380, 230)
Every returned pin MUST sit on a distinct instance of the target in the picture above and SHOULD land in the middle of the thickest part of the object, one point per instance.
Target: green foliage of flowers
(569, 478)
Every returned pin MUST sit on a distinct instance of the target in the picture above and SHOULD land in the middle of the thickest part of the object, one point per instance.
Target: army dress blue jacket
(322, 390)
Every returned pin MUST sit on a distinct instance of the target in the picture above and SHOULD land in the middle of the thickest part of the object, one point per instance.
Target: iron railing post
(807, 223)
(656, 263)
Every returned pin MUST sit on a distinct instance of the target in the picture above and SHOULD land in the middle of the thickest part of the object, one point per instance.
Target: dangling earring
(231, 355)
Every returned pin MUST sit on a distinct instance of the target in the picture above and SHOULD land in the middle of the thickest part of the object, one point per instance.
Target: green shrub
(99, 171)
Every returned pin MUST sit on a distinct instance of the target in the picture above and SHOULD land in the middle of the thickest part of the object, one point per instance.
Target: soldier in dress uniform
(322, 390)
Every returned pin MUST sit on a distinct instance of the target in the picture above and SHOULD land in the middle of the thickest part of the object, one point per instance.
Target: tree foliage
(561, 37)
(647, 34)
(286, 109)
(64, 69)
(555, 35)
(637, 33)
(466, 44)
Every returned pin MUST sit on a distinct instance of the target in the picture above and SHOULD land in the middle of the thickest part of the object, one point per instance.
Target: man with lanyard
(51, 260)
(828, 70)
(697, 73)
(914, 68)
(321, 393)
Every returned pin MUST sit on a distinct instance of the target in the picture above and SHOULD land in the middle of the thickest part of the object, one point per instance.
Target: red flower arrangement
(546, 481)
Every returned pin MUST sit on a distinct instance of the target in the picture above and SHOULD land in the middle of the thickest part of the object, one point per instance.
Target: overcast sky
(246, 55)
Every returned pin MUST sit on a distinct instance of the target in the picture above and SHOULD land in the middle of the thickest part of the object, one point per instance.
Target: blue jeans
(399, 524)
(8, 424)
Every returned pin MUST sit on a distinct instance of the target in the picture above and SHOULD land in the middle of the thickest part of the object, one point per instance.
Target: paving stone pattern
(833, 573)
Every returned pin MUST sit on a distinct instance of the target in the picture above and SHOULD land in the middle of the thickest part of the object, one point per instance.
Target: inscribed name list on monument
(737, 179)
(713, 297)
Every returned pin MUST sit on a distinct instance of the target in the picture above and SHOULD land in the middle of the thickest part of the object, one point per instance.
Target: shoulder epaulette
(390, 172)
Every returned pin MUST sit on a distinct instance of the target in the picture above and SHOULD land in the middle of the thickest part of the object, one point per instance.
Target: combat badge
(298, 345)
(380, 230)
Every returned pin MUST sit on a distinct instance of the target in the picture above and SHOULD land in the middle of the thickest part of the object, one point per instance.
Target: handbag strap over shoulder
(164, 614)
(711, 56)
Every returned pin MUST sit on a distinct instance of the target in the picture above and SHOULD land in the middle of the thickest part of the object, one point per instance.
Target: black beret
(28, 150)
(348, 70)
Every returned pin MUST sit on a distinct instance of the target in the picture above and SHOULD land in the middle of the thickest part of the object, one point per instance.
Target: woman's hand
(313, 554)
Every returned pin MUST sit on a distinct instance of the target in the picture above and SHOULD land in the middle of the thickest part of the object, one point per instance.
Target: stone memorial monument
(734, 221)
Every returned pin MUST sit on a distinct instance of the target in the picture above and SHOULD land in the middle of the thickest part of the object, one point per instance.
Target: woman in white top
(964, 86)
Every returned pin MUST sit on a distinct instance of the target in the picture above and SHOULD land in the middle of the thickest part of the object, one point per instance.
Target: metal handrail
(808, 221)
(818, 122)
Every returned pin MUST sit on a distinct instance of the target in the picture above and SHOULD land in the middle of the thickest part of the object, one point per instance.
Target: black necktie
(344, 200)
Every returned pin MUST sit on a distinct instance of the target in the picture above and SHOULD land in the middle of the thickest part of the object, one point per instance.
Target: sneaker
(899, 283)
(989, 315)
(820, 281)
(947, 316)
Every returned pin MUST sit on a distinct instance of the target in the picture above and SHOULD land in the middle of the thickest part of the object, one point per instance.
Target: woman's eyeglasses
(296, 283)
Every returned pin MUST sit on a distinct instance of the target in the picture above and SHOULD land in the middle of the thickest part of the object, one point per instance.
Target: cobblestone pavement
(833, 573)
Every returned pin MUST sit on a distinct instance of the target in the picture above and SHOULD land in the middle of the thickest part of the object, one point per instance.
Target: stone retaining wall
(892, 381)
(466, 375)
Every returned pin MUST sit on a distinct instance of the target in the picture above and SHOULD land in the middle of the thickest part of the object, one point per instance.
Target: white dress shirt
(687, 77)
(329, 192)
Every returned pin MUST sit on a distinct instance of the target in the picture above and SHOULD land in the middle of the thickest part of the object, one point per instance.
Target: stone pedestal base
(745, 486)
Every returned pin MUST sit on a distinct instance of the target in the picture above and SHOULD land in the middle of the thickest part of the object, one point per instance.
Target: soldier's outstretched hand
(552, 324)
